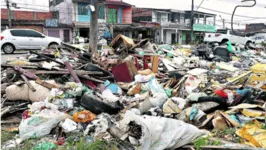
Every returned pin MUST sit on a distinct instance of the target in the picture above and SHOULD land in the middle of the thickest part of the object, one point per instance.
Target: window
(18, 33)
(231, 33)
(58, 2)
(31, 33)
(82, 10)
(112, 15)
(158, 17)
(222, 31)
(55, 14)
(101, 12)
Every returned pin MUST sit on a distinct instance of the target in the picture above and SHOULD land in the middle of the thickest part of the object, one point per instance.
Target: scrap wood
(63, 71)
(5, 110)
(46, 84)
(24, 67)
(28, 83)
(44, 56)
(128, 42)
(10, 122)
(91, 78)
(71, 71)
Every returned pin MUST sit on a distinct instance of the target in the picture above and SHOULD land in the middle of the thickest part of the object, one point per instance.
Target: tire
(248, 43)
(223, 41)
(8, 48)
(52, 45)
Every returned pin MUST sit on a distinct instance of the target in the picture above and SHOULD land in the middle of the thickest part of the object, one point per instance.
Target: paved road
(4, 57)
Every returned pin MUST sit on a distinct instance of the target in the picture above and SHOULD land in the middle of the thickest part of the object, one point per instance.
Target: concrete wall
(127, 15)
(65, 10)
(61, 32)
(169, 36)
(37, 28)
(26, 15)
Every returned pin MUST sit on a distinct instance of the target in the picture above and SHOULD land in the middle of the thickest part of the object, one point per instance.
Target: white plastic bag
(69, 125)
(40, 124)
(162, 133)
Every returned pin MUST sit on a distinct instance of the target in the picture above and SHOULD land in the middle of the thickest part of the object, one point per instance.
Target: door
(233, 38)
(54, 33)
(37, 40)
(66, 36)
(188, 38)
(112, 15)
(20, 39)
(173, 36)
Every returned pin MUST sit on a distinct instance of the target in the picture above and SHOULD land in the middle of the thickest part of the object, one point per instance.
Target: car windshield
(221, 31)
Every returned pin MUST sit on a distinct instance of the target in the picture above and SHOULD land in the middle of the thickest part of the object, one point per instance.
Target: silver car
(26, 39)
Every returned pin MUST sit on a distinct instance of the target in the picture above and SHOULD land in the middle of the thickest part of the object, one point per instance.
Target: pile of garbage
(138, 95)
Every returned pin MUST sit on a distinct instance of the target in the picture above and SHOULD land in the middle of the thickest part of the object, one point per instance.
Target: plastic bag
(84, 116)
(162, 133)
(69, 125)
(45, 146)
(37, 125)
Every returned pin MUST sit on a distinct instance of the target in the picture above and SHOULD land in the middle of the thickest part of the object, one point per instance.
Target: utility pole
(94, 28)
(8, 13)
(192, 21)
(223, 20)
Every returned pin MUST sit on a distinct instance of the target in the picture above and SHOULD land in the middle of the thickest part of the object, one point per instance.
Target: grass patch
(6, 136)
(224, 132)
(203, 141)
(82, 144)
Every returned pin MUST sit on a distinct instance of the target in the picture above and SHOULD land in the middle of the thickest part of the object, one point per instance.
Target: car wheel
(223, 42)
(8, 48)
(53, 46)
(248, 43)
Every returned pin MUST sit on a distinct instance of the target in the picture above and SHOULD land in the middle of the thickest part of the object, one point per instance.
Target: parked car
(26, 39)
(222, 36)
(259, 38)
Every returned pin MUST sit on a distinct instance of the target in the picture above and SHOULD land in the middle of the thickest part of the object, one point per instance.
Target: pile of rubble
(138, 94)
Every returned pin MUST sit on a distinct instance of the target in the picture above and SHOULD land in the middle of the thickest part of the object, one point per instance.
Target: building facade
(25, 19)
(167, 24)
(30, 14)
(172, 26)
(61, 24)
(114, 16)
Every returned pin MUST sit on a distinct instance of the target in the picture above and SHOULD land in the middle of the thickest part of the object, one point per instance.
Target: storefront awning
(81, 25)
(204, 28)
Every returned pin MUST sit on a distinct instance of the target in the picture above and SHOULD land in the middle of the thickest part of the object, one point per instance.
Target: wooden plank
(155, 63)
(65, 71)
(91, 78)
(24, 67)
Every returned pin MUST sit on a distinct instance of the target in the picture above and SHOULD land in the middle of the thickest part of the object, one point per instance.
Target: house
(30, 15)
(169, 25)
(114, 16)
(164, 25)
(202, 23)
(61, 23)
(255, 27)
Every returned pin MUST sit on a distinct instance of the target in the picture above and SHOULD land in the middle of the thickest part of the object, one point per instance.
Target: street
(5, 57)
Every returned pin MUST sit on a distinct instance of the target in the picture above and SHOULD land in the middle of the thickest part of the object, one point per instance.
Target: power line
(231, 14)
(239, 2)
(200, 5)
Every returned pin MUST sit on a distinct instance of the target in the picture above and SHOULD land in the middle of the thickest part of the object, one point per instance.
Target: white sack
(162, 133)
(14, 92)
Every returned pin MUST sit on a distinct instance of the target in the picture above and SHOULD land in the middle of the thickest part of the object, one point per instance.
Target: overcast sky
(219, 7)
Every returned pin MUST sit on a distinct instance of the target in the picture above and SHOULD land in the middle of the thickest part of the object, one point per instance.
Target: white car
(26, 39)
(222, 36)
(260, 39)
